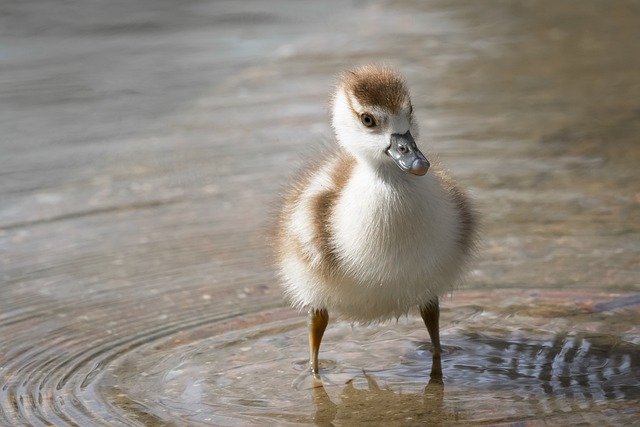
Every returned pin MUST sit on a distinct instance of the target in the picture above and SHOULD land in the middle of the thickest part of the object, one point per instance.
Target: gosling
(364, 231)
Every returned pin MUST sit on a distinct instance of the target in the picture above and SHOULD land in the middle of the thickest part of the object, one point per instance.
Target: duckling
(364, 232)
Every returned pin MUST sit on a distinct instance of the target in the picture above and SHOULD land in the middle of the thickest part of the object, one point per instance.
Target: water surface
(143, 151)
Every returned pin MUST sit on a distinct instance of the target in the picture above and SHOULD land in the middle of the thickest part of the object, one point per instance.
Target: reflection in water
(560, 357)
(376, 404)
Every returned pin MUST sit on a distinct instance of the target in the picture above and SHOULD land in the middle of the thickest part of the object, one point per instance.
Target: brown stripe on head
(377, 86)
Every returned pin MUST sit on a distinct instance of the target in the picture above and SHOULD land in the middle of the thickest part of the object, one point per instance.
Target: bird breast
(395, 232)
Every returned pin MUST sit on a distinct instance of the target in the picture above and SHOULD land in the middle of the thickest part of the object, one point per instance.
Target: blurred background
(144, 146)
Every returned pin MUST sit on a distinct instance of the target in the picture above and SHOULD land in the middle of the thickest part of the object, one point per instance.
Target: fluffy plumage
(359, 236)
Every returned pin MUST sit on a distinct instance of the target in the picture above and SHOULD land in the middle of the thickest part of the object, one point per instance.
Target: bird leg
(431, 315)
(318, 320)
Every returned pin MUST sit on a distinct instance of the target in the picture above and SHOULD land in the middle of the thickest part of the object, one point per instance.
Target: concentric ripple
(56, 384)
(558, 357)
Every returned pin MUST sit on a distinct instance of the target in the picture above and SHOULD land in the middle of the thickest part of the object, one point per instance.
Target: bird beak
(404, 151)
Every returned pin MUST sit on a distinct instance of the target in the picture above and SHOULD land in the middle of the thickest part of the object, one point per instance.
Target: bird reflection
(381, 404)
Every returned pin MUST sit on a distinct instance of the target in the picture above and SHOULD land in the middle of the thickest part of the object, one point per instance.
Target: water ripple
(233, 369)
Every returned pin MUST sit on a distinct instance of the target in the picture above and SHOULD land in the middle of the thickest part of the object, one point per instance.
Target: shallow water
(143, 151)
(541, 357)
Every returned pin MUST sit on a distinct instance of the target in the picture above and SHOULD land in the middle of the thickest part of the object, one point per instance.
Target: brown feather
(324, 205)
(375, 86)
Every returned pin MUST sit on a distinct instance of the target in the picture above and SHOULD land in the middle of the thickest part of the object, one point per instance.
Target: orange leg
(431, 315)
(318, 320)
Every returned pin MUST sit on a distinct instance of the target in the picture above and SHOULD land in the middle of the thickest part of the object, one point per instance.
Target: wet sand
(144, 149)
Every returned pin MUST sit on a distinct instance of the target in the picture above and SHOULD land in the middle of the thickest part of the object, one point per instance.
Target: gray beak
(404, 151)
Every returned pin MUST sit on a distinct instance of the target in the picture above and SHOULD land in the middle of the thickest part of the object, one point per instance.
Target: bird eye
(403, 149)
(367, 120)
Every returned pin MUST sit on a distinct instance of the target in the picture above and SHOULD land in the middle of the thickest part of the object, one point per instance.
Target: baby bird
(365, 232)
